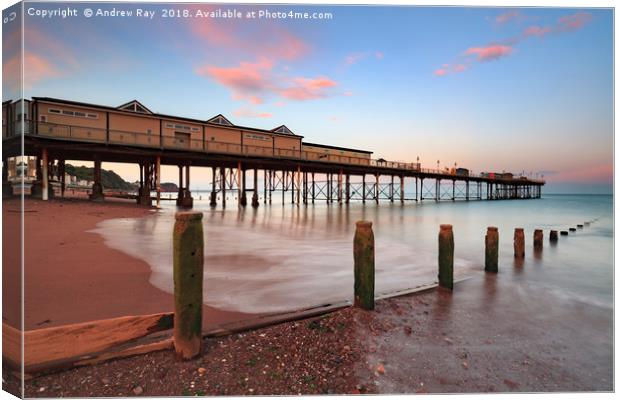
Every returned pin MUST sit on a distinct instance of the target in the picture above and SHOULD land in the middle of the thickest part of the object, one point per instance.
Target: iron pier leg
(364, 188)
(347, 189)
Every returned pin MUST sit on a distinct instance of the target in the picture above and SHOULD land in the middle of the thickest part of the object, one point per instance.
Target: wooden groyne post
(188, 261)
(538, 239)
(364, 265)
(553, 236)
(446, 257)
(519, 243)
(491, 249)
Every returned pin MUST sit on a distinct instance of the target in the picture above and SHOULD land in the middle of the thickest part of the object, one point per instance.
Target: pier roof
(337, 148)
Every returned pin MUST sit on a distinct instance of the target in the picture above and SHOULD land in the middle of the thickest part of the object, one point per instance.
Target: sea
(283, 257)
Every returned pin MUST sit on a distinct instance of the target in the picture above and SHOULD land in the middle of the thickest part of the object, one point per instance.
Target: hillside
(109, 178)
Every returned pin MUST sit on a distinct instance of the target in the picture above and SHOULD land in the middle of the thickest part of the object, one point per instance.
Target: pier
(239, 159)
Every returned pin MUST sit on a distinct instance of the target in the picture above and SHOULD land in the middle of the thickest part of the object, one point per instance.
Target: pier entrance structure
(56, 130)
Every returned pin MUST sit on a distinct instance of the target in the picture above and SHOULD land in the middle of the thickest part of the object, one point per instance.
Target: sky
(490, 89)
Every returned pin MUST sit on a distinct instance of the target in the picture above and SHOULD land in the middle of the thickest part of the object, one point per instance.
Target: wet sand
(71, 275)
(488, 336)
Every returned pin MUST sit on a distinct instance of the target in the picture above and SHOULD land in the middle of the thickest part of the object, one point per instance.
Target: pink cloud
(254, 81)
(308, 89)
(347, 93)
(38, 69)
(459, 68)
(248, 81)
(268, 40)
(537, 31)
(379, 55)
(489, 53)
(440, 72)
(507, 16)
(595, 174)
(247, 113)
(574, 22)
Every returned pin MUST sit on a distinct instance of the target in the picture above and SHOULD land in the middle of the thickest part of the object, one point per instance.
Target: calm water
(283, 257)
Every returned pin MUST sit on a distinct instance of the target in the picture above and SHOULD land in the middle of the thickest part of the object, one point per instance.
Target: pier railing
(154, 140)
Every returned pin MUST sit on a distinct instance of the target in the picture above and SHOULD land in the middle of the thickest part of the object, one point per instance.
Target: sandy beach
(71, 275)
(486, 336)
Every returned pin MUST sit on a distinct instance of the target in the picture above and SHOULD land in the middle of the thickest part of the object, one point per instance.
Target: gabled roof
(283, 129)
(220, 120)
(135, 106)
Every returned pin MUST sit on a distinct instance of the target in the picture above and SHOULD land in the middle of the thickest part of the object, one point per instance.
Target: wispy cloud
(573, 22)
(356, 57)
(508, 16)
(490, 52)
(538, 31)
(308, 89)
(506, 47)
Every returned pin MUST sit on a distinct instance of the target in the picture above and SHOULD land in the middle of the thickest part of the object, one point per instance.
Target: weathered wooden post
(364, 265)
(491, 250)
(538, 239)
(188, 259)
(519, 243)
(553, 236)
(446, 257)
(564, 233)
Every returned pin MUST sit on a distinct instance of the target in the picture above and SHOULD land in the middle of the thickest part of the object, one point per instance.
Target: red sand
(70, 274)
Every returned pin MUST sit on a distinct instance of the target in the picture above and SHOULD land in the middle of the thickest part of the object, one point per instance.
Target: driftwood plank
(48, 345)
(11, 345)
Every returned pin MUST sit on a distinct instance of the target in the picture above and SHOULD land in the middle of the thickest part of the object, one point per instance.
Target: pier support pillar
(158, 179)
(437, 189)
(402, 189)
(144, 191)
(377, 188)
(391, 188)
(453, 189)
(364, 265)
(223, 185)
(97, 189)
(255, 193)
(188, 272)
(364, 188)
(491, 249)
(340, 187)
(264, 186)
(184, 198)
(298, 182)
(45, 176)
(446, 257)
(213, 195)
(7, 188)
(61, 172)
(347, 188)
(519, 243)
(313, 194)
(243, 201)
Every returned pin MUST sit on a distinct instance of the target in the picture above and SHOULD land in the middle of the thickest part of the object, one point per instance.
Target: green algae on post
(491, 249)
(446, 257)
(364, 265)
(188, 261)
